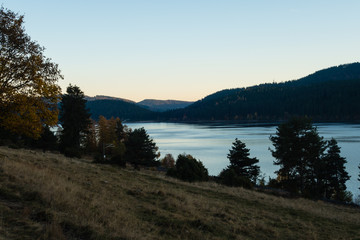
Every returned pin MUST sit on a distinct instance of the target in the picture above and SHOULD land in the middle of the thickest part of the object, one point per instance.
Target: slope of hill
(331, 94)
(102, 97)
(48, 196)
(117, 108)
(163, 105)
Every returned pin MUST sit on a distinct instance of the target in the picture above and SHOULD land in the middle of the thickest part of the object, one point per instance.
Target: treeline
(328, 95)
(119, 108)
(331, 94)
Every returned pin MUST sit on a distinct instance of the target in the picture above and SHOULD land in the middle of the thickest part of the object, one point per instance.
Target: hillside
(163, 105)
(48, 196)
(331, 94)
(117, 108)
(102, 97)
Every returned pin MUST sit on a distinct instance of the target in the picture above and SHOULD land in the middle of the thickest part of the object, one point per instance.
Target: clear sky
(187, 49)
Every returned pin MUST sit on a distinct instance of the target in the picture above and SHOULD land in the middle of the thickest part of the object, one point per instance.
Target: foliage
(305, 167)
(242, 171)
(334, 172)
(74, 118)
(47, 141)
(28, 80)
(241, 163)
(187, 168)
(141, 149)
(168, 161)
(230, 178)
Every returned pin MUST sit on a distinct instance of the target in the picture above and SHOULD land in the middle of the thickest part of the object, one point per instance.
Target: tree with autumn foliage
(28, 80)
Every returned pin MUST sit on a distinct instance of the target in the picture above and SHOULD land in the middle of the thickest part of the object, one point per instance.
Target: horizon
(187, 50)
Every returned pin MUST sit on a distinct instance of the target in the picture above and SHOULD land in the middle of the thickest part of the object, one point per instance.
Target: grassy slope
(47, 196)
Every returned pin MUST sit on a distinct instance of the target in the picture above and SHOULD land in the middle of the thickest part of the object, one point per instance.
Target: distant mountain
(102, 97)
(163, 105)
(125, 110)
(331, 94)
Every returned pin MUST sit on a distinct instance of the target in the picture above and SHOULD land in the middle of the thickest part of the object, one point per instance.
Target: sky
(188, 49)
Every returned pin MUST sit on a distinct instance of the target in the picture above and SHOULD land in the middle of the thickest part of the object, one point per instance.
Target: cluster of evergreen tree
(309, 166)
(108, 140)
(328, 95)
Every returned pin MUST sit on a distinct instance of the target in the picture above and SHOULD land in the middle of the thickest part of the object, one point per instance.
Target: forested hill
(117, 108)
(331, 94)
(163, 105)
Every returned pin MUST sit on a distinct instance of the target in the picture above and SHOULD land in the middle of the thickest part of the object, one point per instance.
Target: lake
(210, 143)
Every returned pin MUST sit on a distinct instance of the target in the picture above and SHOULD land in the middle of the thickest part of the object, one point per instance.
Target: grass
(48, 196)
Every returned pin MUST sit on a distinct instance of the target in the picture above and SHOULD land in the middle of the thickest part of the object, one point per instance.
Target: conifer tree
(241, 165)
(298, 149)
(335, 172)
(75, 121)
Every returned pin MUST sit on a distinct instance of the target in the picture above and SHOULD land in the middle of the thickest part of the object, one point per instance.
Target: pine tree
(141, 149)
(241, 163)
(335, 172)
(298, 151)
(75, 121)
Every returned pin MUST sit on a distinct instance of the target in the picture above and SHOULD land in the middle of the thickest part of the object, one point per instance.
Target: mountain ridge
(163, 105)
(331, 94)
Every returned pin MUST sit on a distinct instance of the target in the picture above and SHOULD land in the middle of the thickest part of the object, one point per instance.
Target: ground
(48, 196)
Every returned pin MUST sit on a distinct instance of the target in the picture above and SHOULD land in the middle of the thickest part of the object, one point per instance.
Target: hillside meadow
(48, 196)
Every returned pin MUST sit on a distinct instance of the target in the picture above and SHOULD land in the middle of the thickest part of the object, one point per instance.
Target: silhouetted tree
(75, 121)
(298, 149)
(141, 149)
(242, 170)
(335, 175)
(241, 163)
(189, 169)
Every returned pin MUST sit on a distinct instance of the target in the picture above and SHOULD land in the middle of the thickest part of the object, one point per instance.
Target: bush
(187, 168)
(229, 177)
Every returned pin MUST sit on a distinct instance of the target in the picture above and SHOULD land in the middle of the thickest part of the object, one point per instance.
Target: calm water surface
(211, 144)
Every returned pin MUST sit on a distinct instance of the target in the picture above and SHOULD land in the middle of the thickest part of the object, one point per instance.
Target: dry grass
(48, 196)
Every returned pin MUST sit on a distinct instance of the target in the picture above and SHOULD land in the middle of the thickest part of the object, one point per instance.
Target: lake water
(211, 144)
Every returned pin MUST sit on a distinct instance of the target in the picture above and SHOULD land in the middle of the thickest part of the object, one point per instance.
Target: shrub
(229, 177)
(187, 168)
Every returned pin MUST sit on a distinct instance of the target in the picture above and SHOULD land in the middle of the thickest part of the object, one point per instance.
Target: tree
(298, 151)
(28, 80)
(75, 121)
(111, 138)
(187, 168)
(141, 149)
(241, 163)
(168, 161)
(335, 175)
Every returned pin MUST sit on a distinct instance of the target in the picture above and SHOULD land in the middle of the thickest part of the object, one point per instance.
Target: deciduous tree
(28, 80)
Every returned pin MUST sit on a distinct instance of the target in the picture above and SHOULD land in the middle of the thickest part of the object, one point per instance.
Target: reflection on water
(211, 143)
